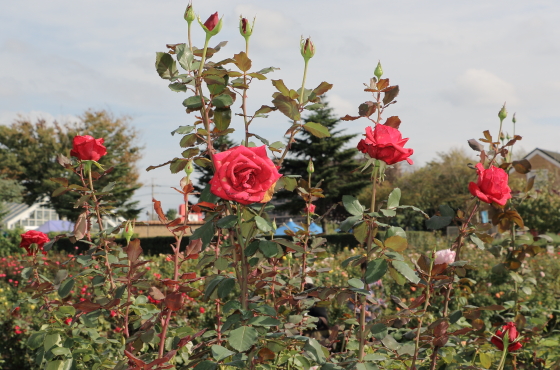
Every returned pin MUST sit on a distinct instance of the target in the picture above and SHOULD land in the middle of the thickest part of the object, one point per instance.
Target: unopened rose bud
(502, 114)
(307, 48)
(189, 168)
(128, 231)
(310, 167)
(189, 14)
(245, 28)
(212, 26)
(513, 119)
(378, 70)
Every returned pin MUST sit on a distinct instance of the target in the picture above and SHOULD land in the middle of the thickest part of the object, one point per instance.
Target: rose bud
(378, 71)
(245, 28)
(445, 256)
(502, 114)
(128, 231)
(189, 13)
(512, 335)
(307, 48)
(212, 26)
(310, 167)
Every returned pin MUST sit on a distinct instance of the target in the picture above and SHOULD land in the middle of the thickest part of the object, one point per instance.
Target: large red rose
(386, 144)
(512, 332)
(492, 185)
(86, 148)
(243, 174)
(31, 237)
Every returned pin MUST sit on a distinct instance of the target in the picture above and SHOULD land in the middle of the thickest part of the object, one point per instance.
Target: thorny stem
(205, 117)
(164, 334)
(426, 304)
(363, 306)
(219, 322)
(434, 359)
(244, 97)
(458, 243)
(244, 272)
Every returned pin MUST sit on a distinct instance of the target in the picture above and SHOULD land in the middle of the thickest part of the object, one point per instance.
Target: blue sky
(456, 63)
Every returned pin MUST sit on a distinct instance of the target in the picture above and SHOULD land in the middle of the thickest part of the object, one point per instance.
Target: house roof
(551, 156)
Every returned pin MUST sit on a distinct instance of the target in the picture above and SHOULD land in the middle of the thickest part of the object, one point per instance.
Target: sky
(455, 62)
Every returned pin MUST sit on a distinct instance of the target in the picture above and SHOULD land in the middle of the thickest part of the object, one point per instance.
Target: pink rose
(244, 175)
(386, 144)
(33, 237)
(445, 256)
(86, 148)
(492, 185)
(311, 208)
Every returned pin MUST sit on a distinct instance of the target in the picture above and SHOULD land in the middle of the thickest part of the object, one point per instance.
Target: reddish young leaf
(156, 294)
(349, 118)
(159, 211)
(393, 122)
(134, 250)
(87, 306)
(80, 229)
(194, 247)
(174, 301)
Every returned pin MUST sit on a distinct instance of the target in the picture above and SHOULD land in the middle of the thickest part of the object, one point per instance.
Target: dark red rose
(244, 23)
(386, 144)
(512, 332)
(33, 237)
(244, 175)
(212, 21)
(86, 148)
(492, 185)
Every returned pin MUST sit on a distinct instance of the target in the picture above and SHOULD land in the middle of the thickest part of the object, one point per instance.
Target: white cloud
(481, 87)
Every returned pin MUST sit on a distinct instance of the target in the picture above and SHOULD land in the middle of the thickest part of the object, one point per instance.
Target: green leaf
(225, 288)
(390, 342)
(222, 118)
(268, 248)
(379, 331)
(189, 153)
(360, 232)
(207, 196)
(264, 321)
(51, 340)
(187, 141)
(242, 61)
(267, 70)
(212, 285)
(317, 129)
(315, 351)
(262, 224)
(36, 340)
(438, 222)
(280, 86)
(205, 233)
(375, 270)
(476, 240)
(322, 88)
(184, 56)
(177, 87)
(287, 106)
(485, 360)
(165, 65)
(193, 102)
(352, 205)
(178, 165)
(347, 224)
(446, 211)
(227, 222)
(406, 271)
(356, 283)
(182, 130)
(206, 365)
(396, 243)
(59, 351)
(243, 338)
(219, 353)
(65, 288)
(26, 272)
(394, 199)
(222, 101)
(55, 365)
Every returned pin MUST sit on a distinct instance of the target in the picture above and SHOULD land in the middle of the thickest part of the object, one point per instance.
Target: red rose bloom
(243, 174)
(32, 237)
(86, 148)
(311, 208)
(202, 310)
(492, 185)
(386, 144)
(212, 21)
(512, 332)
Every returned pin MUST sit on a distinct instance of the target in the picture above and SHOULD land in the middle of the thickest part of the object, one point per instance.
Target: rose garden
(233, 295)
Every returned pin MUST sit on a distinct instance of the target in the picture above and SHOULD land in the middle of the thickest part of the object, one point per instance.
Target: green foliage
(541, 210)
(334, 166)
(28, 153)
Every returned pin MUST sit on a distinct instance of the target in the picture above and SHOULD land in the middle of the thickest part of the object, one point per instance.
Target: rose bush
(492, 185)
(87, 148)
(243, 174)
(386, 144)
(33, 237)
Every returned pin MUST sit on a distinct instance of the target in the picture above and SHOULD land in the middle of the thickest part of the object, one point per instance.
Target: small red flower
(68, 321)
(311, 208)
(113, 313)
(513, 334)
(202, 310)
(33, 237)
(87, 148)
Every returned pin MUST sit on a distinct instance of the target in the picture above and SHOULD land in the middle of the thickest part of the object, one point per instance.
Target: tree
(335, 166)
(28, 155)
(10, 191)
